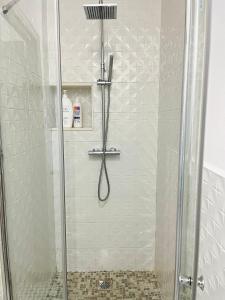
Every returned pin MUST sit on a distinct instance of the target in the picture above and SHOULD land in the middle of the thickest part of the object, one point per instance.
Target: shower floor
(123, 285)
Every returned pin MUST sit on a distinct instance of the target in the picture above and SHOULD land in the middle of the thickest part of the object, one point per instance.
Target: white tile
(212, 246)
(127, 220)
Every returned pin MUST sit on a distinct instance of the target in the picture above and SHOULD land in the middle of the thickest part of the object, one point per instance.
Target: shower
(103, 12)
(110, 209)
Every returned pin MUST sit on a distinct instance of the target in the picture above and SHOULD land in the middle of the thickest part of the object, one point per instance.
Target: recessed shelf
(80, 92)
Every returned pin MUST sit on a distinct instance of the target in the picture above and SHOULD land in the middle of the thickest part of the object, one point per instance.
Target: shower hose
(105, 127)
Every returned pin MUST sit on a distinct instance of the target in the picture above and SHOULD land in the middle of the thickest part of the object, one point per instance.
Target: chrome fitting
(103, 82)
(185, 281)
(5, 9)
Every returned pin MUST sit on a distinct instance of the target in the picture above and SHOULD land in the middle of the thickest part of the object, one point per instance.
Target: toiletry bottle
(67, 111)
(77, 115)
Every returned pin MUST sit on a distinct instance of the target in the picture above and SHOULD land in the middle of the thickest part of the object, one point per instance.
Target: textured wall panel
(119, 235)
(212, 244)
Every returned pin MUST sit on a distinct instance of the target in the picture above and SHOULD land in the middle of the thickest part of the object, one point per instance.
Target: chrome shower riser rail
(8, 6)
(103, 12)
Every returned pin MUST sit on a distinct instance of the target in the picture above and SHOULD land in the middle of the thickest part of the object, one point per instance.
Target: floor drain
(104, 284)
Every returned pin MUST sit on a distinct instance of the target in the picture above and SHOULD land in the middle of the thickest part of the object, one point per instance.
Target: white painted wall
(215, 121)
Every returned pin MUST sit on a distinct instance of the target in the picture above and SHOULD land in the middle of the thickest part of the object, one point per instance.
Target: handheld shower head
(110, 67)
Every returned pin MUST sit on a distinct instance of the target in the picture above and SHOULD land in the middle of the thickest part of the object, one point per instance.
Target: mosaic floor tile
(56, 288)
(123, 285)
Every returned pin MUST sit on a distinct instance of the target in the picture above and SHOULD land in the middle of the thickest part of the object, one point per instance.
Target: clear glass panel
(30, 113)
(194, 142)
(169, 116)
(114, 241)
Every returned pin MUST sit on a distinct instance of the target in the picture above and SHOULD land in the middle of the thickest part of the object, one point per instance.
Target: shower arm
(110, 68)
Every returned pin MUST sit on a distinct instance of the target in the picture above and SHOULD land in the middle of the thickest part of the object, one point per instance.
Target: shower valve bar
(103, 82)
(111, 151)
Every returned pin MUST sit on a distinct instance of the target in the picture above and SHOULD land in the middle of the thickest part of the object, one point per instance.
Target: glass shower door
(31, 136)
(191, 154)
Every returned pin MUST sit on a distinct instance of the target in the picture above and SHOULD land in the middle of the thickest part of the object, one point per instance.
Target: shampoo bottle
(77, 115)
(67, 111)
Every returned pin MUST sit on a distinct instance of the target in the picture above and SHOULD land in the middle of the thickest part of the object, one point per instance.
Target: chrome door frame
(190, 62)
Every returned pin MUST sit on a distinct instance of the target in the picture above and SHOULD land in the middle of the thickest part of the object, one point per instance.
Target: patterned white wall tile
(120, 234)
(212, 242)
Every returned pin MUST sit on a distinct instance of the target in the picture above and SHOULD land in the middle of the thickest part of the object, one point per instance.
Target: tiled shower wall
(28, 184)
(119, 235)
(170, 94)
(212, 243)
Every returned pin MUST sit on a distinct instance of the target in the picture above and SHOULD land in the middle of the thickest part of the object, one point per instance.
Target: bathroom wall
(212, 243)
(120, 234)
(170, 94)
(214, 141)
(28, 182)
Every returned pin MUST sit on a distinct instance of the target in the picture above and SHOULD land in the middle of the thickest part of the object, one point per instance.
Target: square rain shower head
(100, 11)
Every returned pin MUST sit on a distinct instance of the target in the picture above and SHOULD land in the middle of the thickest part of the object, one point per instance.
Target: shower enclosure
(110, 210)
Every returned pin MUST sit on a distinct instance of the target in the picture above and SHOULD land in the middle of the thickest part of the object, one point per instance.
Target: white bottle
(67, 111)
(77, 115)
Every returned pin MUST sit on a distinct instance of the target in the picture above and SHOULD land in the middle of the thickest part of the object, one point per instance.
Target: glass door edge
(183, 124)
(61, 136)
(201, 147)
